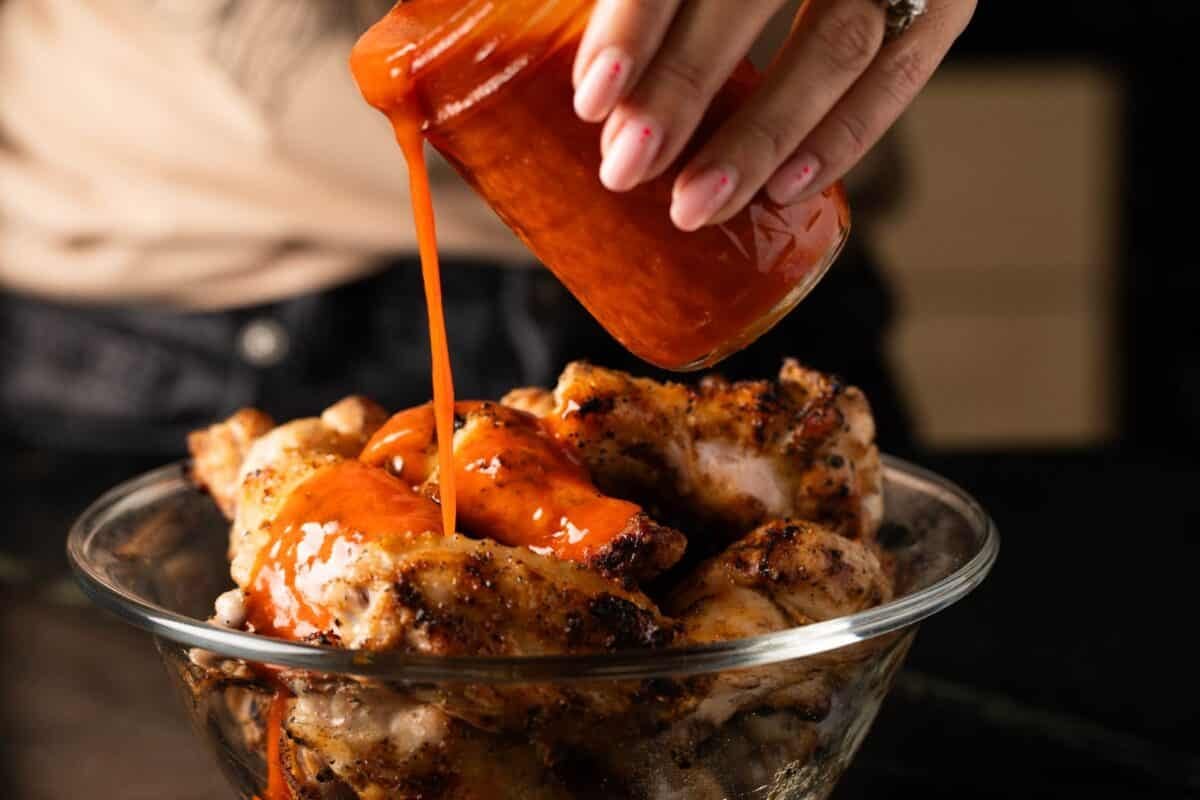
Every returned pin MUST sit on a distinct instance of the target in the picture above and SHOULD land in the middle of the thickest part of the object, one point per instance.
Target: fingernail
(612, 126)
(630, 155)
(702, 197)
(602, 84)
(793, 179)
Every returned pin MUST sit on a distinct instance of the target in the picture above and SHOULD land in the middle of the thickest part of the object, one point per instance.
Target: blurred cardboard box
(1003, 255)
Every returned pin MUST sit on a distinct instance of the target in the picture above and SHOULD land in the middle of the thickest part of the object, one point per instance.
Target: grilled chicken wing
(729, 455)
(518, 485)
(276, 463)
(783, 575)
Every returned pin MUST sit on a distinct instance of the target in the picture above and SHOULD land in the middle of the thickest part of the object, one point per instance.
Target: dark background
(1068, 673)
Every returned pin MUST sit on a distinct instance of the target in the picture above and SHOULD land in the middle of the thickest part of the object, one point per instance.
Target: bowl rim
(771, 648)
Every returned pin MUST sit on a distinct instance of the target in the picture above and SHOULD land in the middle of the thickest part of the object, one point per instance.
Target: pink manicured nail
(632, 151)
(702, 197)
(790, 181)
(612, 126)
(603, 84)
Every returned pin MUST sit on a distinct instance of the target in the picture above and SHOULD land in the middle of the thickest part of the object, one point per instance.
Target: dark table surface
(1068, 673)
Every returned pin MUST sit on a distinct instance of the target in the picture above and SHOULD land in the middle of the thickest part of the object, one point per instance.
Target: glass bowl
(777, 716)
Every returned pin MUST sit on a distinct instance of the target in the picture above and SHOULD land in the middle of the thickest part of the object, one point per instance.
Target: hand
(652, 67)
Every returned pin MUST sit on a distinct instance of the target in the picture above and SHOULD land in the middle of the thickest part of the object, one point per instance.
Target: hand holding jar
(490, 85)
(847, 72)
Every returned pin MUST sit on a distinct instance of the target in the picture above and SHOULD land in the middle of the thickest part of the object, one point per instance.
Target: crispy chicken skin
(783, 574)
(530, 399)
(279, 461)
(730, 455)
(219, 450)
(450, 595)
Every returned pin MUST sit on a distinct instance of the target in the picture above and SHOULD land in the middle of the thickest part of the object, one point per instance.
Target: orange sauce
(408, 133)
(521, 486)
(321, 527)
(277, 787)
(408, 443)
(407, 120)
(516, 482)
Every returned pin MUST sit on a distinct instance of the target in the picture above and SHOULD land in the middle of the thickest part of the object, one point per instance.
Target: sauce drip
(321, 527)
(518, 484)
(277, 787)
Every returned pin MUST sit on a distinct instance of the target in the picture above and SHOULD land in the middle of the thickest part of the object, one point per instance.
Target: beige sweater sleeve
(200, 153)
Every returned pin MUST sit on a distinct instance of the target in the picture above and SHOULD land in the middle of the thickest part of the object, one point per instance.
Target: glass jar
(490, 84)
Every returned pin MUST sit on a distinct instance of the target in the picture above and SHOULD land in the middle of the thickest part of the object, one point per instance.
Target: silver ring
(901, 14)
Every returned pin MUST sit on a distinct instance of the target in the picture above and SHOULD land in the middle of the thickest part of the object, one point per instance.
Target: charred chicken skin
(730, 456)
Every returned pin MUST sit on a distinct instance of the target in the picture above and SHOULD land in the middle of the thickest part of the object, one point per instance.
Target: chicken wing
(728, 456)
(518, 485)
(783, 575)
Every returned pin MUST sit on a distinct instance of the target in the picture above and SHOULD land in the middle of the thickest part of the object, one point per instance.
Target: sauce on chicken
(516, 482)
(322, 527)
(407, 444)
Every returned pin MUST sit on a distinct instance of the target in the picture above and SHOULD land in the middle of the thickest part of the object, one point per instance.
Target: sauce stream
(412, 143)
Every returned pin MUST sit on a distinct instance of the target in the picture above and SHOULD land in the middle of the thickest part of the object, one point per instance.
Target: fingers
(833, 44)
(650, 124)
(650, 68)
(620, 41)
(872, 106)
(830, 96)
